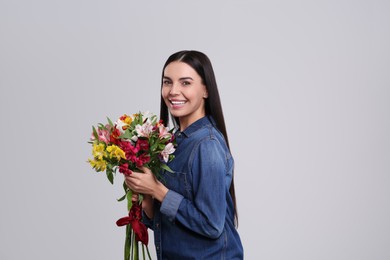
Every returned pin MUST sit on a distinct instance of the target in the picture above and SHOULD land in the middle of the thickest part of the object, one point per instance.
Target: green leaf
(95, 134)
(154, 119)
(110, 175)
(126, 135)
(166, 167)
(153, 147)
(121, 198)
(109, 121)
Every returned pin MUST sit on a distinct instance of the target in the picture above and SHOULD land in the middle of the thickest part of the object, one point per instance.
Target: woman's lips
(177, 103)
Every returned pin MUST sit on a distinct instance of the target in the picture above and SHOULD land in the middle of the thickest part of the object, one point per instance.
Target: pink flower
(163, 132)
(169, 149)
(145, 130)
(104, 135)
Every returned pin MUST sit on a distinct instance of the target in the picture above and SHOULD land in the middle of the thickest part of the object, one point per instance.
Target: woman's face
(183, 93)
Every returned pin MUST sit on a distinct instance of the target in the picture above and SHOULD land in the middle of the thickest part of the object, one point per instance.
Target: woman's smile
(175, 104)
(184, 93)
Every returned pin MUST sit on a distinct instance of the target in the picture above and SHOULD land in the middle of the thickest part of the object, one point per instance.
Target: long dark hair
(202, 65)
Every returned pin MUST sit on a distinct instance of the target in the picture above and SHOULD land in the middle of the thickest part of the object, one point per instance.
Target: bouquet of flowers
(129, 143)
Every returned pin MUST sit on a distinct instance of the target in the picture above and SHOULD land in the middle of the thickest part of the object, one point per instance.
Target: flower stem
(147, 251)
(143, 251)
(128, 242)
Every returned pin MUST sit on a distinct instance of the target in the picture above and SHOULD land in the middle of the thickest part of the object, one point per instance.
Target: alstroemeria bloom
(148, 116)
(124, 168)
(121, 125)
(168, 149)
(144, 130)
(116, 152)
(126, 119)
(98, 165)
(98, 151)
(141, 160)
(134, 139)
(163, 132)
(134, 219)
(104, 134)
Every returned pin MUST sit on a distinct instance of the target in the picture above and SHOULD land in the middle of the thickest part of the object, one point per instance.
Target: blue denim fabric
(195, 219)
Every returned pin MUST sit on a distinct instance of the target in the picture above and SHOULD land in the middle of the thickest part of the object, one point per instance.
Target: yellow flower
(98, 165)
(98, 151)
(126, 119)
(116, 152)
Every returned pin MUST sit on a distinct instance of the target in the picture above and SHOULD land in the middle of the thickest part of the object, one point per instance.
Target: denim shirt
(196, 220)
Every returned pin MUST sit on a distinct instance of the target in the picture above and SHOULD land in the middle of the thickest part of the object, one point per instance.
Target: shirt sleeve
(147, 221)
(204, 215)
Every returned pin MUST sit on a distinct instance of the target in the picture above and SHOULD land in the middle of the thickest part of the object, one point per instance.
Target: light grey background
(305, 87)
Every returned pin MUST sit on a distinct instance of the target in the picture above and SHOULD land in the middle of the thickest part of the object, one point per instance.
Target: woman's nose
(174, 89)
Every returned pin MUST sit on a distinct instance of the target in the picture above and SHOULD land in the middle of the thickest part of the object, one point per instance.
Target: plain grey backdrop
(305, 87)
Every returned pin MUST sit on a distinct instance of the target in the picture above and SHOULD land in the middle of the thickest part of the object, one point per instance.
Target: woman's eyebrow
(183, 78)
(186, 78)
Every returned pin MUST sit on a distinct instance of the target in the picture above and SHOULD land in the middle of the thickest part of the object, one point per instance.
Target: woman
(192, 211)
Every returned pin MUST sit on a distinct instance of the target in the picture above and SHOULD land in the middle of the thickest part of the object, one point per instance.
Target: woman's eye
(186, 83)
(166, 82)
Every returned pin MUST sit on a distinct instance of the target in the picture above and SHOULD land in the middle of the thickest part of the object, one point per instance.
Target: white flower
(149, 117)
(168, 149)
(134, 138)
(144, 130)
(119, 125)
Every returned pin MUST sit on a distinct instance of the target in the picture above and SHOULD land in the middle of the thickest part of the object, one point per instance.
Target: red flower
(124, 168)
(141, 160)
(114, 137)
(142, 144)
(129, 149)
(134, 218)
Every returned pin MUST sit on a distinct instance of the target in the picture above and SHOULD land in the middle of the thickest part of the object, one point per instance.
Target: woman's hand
(146, 183)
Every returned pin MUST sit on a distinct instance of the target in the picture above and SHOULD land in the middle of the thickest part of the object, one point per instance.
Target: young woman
(192, 211)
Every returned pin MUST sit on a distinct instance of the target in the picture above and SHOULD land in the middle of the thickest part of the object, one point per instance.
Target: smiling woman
(184, 92)
(192, 211)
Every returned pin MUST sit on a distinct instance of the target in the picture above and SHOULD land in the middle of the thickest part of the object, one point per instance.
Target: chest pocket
(179, 182)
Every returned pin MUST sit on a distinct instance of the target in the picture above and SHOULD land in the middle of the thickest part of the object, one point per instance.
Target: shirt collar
(200, 123)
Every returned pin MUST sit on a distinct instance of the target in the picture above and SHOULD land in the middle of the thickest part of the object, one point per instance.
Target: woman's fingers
(134, 197)
(145, 170)
(134, 181)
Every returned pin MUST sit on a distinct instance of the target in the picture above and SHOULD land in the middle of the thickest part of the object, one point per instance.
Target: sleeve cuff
(170, 204)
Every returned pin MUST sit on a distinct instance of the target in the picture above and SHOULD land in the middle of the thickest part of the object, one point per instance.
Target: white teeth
(178, 102)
